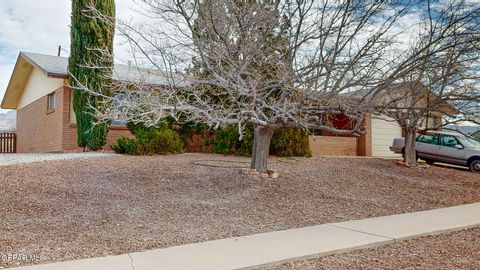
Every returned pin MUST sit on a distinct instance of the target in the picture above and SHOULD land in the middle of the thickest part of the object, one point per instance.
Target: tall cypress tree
(90, 36)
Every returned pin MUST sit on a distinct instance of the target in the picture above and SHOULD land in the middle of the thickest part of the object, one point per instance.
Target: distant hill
(7, 121)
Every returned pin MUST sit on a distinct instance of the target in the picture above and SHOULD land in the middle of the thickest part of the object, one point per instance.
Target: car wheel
(475, 166)
(429, 161)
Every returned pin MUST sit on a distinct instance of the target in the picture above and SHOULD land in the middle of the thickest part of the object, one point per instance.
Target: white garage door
(383, 133)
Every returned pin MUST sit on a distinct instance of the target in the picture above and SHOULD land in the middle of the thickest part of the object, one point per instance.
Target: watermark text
(18, 257)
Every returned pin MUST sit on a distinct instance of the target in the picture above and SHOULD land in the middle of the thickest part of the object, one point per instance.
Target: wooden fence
(8, 143)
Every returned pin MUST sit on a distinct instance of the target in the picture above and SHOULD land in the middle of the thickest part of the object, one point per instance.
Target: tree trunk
(410, 153)
(261, 147)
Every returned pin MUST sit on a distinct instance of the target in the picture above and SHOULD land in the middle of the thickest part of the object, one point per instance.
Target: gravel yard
(457, 250)
(11, 159)
(79, 208)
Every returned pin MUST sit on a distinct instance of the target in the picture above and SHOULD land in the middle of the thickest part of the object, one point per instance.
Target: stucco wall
(38, 86)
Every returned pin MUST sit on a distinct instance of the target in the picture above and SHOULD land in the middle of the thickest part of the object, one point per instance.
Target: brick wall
(70, 142)
(70, 130)
(199, 143)
(333, 146)
(344, 145)
(364, 141)
(39, 130)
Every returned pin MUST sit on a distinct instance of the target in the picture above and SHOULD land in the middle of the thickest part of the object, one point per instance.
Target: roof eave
(57, 75)
(9, 101)
(33, 63)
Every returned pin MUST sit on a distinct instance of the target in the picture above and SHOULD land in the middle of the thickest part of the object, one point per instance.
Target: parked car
(446, 147)
(476, 135)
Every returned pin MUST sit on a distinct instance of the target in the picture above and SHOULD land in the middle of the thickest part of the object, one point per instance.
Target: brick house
(45, 121)
(39, 93)
(380, 130)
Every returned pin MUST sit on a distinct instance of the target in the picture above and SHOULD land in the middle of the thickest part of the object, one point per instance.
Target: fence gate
(8, 143)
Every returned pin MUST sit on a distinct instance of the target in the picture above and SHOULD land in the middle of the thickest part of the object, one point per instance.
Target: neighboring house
(380, 130)
(378, 137)
(38, 90)
(375, 141)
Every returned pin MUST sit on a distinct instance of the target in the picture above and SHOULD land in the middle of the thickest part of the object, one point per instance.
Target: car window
(449, 141)
(470, 143)
(476, 135)
(428, 138)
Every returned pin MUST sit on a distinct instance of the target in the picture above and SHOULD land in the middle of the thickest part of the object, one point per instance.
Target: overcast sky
(40, 27)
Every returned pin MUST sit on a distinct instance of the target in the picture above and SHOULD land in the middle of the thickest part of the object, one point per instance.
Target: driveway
(12, 159)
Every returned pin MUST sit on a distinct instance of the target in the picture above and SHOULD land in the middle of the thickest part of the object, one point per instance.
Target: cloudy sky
(41, 26)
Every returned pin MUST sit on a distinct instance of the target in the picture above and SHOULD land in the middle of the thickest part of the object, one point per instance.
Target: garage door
(383, 133)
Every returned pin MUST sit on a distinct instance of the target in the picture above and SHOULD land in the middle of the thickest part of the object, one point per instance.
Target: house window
(52, 101)
(119, 109)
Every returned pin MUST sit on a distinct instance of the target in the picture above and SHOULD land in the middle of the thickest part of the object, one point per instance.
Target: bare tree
(438, 76)
(271, 64)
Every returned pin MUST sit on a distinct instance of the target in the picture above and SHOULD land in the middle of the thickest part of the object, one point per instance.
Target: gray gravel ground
(11, 159)
(80, 208)
(456, 250)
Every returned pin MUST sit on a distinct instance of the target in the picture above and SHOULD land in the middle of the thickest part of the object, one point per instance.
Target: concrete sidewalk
(249, 252)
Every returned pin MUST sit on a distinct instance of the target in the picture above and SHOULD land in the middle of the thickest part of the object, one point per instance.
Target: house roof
(404, 92)
(57, 67)
(51, 65)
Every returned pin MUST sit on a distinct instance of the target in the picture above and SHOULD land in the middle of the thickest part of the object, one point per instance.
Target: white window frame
(52, 101)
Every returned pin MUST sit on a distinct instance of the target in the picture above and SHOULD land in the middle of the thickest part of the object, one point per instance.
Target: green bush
(290, 142)
(166, 141)
(170, 137)
(149, 141)
(144, 142)
(227, 141)
(186, 130)
(286, 142)
(124, 146)
(140, 127)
